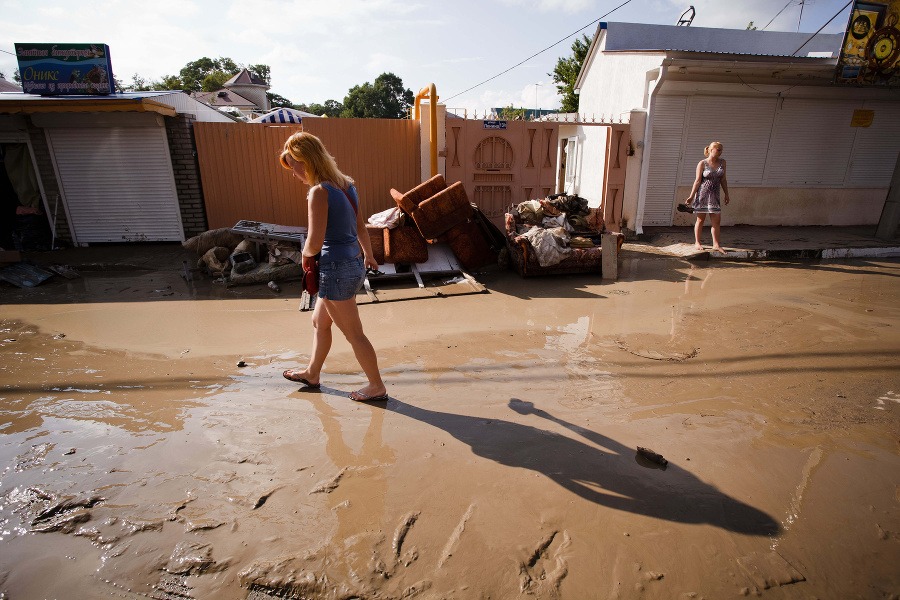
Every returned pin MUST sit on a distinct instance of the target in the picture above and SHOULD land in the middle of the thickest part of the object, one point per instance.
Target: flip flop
(360, 397)
(685, 208)
(302, 380)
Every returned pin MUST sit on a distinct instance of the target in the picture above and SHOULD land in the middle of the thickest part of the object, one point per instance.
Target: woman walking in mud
(704, 197)
(334, 223)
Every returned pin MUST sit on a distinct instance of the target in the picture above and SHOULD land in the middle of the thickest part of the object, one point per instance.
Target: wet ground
(140, 461)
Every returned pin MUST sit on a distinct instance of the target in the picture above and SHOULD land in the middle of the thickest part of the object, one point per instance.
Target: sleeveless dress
(707, 198)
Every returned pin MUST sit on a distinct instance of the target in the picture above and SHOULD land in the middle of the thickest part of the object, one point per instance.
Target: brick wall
(180, 130)
(47, 175)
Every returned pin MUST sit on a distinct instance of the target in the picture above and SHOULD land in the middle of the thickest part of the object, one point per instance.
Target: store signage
(65, 69)
(870, 55)
(495, 124)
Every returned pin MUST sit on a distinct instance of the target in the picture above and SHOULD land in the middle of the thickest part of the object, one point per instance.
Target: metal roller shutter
(743, 125)
(665, 158)
(875, 151)
(811, 143)
(118, 183)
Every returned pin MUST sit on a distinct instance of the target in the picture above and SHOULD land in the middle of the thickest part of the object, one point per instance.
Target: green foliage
(261, 71)
(16, 77)
(566, 73)
(330, 108)
(195, 73)
(385, 98)
(277, 101)
(214, 81)
(512, 114)
(751, 26)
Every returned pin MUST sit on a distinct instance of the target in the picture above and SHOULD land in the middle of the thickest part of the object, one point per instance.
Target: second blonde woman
(705, 198)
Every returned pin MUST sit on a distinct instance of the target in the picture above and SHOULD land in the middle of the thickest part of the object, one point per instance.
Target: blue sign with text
(65, 69)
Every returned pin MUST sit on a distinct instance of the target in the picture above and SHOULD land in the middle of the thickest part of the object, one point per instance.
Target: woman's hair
(320, 165)
(707, 150)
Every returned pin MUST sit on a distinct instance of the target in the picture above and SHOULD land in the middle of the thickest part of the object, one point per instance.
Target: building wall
(616, 83)
(255, 93)
(183, 150)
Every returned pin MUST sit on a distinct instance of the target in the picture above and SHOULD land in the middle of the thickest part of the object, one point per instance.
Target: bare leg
(345, 315)
(321, 344)
(698, 229)
(716, 221)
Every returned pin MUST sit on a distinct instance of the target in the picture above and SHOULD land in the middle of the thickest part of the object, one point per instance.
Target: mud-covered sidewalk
(140, 461)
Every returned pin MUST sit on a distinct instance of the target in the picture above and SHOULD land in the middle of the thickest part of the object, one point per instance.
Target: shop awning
(27, 104)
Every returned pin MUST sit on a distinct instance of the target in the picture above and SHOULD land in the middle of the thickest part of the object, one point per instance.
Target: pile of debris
(555, 235)
(235, 260)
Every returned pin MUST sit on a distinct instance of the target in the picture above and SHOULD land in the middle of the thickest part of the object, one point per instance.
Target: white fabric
(549, 244)
(387, 219)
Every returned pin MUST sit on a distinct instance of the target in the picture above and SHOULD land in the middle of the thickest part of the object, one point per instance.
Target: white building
(800, 149)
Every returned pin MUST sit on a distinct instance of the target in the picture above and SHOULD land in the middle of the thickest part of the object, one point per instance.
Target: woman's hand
(727, 200)
(371, 263)
(309, 262)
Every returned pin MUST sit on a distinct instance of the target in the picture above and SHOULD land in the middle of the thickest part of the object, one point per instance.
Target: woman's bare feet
(698, 247)
(719, 249)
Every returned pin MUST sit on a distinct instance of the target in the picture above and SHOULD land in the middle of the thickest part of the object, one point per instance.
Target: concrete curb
(808, 253)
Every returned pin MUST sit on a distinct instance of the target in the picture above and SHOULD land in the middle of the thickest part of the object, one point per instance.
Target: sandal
(360, 397)
(685, 208)
(302, 380)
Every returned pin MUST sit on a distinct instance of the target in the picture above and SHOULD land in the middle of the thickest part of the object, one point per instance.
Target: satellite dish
(685, 19)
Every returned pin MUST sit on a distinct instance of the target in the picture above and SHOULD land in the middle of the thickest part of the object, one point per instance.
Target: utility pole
(534, 118)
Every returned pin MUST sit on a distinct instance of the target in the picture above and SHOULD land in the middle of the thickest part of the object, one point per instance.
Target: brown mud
(140, 461)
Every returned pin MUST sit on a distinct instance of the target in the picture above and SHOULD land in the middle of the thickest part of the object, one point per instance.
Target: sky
(319, 49)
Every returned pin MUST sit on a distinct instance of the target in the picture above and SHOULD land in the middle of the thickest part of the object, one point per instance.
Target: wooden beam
(27, 107)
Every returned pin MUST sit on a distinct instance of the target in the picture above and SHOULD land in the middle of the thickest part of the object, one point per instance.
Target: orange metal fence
(242, 178)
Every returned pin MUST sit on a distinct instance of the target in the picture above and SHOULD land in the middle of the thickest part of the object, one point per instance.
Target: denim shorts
(341, 280)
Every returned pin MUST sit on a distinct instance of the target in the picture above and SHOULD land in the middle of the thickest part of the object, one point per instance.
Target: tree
(331, 108)
(277, 101)
(261, 71)
(512, 114)
(194, 74)
(385, 98)
(751, 26)
(566, 73)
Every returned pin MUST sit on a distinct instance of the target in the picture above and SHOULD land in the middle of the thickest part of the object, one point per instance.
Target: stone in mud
(652, 456)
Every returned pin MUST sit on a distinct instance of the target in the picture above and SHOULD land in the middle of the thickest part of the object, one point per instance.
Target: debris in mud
(69, 452)
(401, 532)
(653, 355)
(241, 363)
(770, 570)
(652, 456)
(262, 499)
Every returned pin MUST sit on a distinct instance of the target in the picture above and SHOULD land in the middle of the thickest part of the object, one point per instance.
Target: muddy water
(139, 460)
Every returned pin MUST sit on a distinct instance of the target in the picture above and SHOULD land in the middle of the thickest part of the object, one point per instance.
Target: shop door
(117, 183)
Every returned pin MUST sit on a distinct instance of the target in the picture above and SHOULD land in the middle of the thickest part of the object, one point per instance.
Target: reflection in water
(356, 514)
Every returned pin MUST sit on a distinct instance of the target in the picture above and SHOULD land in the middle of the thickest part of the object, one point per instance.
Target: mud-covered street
(139, 460)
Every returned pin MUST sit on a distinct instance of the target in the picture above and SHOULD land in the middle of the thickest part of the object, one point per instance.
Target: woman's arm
(725, 184)
(318, 220)
(697, 181)
(362, 236)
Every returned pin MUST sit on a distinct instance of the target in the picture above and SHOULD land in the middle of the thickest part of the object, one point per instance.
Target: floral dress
(707, 198)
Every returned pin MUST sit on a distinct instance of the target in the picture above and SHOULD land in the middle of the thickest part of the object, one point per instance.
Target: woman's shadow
(603, 471)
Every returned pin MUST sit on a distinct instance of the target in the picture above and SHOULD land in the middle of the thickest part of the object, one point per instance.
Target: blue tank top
(341, 242)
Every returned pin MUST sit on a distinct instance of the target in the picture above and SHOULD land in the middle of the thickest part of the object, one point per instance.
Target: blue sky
(319, 49)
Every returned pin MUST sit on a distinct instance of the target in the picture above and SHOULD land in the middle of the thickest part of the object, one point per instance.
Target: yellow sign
(862, 118)
(870, 54)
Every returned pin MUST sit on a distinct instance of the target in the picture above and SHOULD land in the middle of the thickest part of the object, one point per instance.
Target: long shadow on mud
(604, 472)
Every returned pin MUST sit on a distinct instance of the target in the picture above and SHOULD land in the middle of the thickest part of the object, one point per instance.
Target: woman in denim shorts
(343, 255)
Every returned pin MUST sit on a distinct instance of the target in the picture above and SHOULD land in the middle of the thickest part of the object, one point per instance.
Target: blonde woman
(704, 197)
(344, 255)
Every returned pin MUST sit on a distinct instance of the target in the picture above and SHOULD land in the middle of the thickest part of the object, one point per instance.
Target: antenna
(687, 21)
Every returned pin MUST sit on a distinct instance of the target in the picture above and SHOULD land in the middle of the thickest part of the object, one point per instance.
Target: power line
(537, 53)
(821, 28)
(779, 12)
